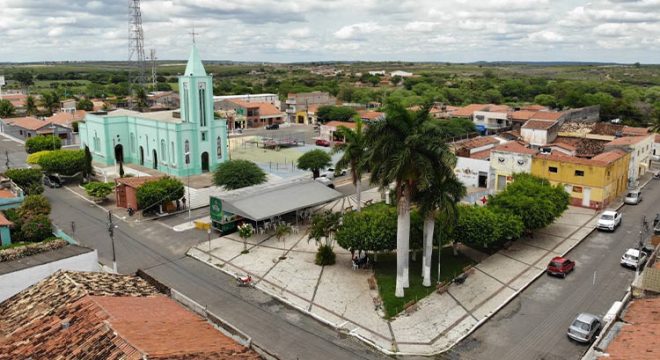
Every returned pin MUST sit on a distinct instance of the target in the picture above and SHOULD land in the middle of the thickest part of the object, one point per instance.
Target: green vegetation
(27, 179)
(85, 104)
(314, 161)
(322, 230)
(42, 143)
(6, 108)
(335, 113)
(98, 190)
(353, 155)
(34, 205)
(64, 162)
(236, 174)
(155, 193)
(33, 159)
(245, 231)
(385, 270)
(482, 227)
(31, 222)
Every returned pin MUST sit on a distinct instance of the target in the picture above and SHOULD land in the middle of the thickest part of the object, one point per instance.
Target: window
(579, 173)
(552, 169)
(186, 149)
(163, 150)
(203, 135)
(218, 146)
(173, 156)
(186, 108)
(20, 132)
(132, 142)
(202, 103)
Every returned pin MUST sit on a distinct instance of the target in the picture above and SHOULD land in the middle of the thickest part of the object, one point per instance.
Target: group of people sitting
(361, 260)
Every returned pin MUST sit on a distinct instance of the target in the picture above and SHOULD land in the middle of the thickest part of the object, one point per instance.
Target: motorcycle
(130, 211)
(244, 281)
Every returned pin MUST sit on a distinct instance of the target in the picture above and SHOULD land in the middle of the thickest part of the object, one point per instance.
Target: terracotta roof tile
(534, 107)
(515, 147)
(547, 115)
(635, 131)
(638, 338)
(350, 125)
(371, 115)
(628, 140)
(481, 155)
(564, 146)
(539, 124)
(467, 111)
(136, 182)
(609, 156)
(476, 142)
(498, 108)
(522, 115)
(657, 138)
(6, 194)
(4, 221)
(268, 109)
(29, 123)
(67, 118)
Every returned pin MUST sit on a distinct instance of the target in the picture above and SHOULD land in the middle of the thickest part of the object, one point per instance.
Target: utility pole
(111, 232)
(7, 162)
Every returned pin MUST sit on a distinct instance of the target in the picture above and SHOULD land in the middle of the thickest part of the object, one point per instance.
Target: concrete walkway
(342, 298)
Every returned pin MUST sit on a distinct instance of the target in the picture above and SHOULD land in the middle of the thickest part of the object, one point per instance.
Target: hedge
(64, 162)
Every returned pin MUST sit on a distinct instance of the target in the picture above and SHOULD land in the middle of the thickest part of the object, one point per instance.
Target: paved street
(533, 325)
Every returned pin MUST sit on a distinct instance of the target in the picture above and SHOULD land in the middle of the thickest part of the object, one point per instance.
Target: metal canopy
(266, 201)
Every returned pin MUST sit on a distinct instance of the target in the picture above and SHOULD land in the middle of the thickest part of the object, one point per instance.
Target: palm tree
(408, 150)
(441, 196)
(30, 105)
(355, 151)
(281, 231)
(50, 100)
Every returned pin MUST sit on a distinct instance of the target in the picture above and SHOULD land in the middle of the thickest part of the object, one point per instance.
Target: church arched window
(173, 156)
(218, 147)
(163, 150)
(186, 149)
(202, 103)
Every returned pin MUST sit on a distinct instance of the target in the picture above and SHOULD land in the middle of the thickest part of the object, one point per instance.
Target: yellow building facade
(592, 183)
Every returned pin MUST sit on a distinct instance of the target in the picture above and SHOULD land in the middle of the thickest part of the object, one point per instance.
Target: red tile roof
(6, 194)
(268, 109)
(17, 100)
(635, 131)
(564, 146)
(371, 115)
(67, 118)
(534, 108)
(539, 124)
(4, 221)
(638, 337)
(350, 125)
(476, 142)
(136, 182)
(28, 123)
(657, 138)
(609, 156)
(244, 104)
(547, 115)
(498, 108)
(467, 111)
(628, 140)
(515, 147)
(481, 155)
(522, 115)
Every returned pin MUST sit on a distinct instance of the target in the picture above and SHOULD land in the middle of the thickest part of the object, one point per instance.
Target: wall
(17, 281)
(467, 170)
(589, 114)
(490, 119)
(534, 136)
(512, 163)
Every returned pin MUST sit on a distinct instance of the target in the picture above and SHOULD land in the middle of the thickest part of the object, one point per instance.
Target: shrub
(27, 179)
(65, 162)
(98, 190)
(325, 255)
(37, 228)
(476, 226)
(314, 161)
(34, 205)
(33, 158)
(155, 193)
(236, 174)
(41, 143)
(372, 229)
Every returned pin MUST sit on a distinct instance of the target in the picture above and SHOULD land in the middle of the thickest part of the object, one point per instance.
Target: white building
(640, 149)
(492, 119)
(403, 74)
(539, 132)
(506, 160)
(379, 72)
(273, 99)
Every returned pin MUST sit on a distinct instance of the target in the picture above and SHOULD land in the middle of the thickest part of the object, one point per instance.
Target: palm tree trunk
(406, 242)
(358, 184)
(402, 238)
(429, 225)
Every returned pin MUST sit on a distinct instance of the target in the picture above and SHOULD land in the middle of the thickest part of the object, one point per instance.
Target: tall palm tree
(282, 230)
(30, 105)
(441, 198)
(355, 151)
(405, 149)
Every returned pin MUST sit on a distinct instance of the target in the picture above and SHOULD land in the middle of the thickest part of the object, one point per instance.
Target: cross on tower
(193, 33)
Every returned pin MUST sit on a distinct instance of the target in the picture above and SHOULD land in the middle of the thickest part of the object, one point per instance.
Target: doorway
(586, 197)
(155, 165)
(141, 156)
(482, 181)
(205, 162)
(119, 153)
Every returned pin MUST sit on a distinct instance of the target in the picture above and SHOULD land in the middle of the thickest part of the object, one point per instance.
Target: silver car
(584, 328)
(633, 258)
(633, 197)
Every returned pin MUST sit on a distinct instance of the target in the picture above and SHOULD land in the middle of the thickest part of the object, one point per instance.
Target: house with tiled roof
(257, 114)
(635, 334)
(468, 111)
(507, 159)
(491, 119)
(328, 130)
(17, 100)
(62, 124)
(126, 190)
(641, 151)
(539, 132)
(370, 116)
(593, 183)
(472, 160)
(25, 127)
(90, 315)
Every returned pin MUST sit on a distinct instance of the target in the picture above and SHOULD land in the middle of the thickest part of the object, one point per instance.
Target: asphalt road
(11, 153)
(534, 324)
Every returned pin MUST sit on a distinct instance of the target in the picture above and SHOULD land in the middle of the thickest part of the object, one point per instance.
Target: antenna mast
(136, 61)
(153, 58)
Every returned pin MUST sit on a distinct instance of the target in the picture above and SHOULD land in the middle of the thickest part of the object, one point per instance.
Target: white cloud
(546, 37)
(357, 30)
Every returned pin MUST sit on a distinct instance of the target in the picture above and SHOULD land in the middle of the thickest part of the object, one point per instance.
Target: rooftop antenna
(136, 60)
(153, 58)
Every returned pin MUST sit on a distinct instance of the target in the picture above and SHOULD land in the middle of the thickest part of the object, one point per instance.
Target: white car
(609, 220)
(325, 181)
(633, 258)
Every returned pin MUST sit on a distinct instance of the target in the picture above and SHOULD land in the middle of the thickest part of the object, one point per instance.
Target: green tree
(98, 190)
(85, 104)
(338, 113)
(476, 226)
(314, 161)
(25, 78)
(236, 174)
(6, 108)
(50, 100)
(408, 150)
(354, 153)
(155, 193)
(546, 100)
(42, 143)
(27, 179)
(34, 205)
(322, 230)
(372, 229)
(36, 228)
(245, 231)
(87, 167)
(31, 106)
(64, 162)
(282, 230)
(141, 98)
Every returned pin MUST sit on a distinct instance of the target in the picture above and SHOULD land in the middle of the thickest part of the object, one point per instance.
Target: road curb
(12, 138)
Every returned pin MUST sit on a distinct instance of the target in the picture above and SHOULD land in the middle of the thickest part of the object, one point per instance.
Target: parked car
(633, 258)
(609, 220)
(655, 157)
(328, 174)
(272, 126)
(322, 142)
(633, 197)
(52, 181)
(656, 224)
(584, 328)
(325, 181)
(560, 266)
(341, 172)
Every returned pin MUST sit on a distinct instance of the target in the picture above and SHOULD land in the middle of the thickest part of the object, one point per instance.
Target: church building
(188, 141)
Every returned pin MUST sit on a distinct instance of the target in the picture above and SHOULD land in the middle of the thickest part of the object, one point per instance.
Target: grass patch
(386, 276)
(14, 245)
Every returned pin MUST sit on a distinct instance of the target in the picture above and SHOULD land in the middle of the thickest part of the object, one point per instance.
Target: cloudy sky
(307, 30)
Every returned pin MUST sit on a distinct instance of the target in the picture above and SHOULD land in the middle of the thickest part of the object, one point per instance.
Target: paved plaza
(341, 296)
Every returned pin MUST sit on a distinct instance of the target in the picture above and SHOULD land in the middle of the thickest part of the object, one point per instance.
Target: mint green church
(188, 141)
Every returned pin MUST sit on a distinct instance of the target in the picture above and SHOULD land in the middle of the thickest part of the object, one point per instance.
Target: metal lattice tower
(136, 60)
(153, 58)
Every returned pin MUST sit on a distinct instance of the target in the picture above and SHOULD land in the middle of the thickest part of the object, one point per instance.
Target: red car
(322, 142)
(560, 266)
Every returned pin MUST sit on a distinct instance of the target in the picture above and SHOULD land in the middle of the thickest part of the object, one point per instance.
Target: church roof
(195, 66)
